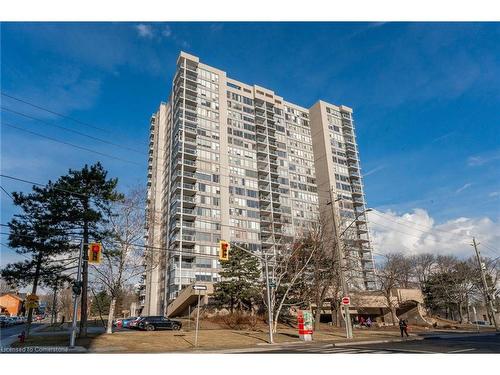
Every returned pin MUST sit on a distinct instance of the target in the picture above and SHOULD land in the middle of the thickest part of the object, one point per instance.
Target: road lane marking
(462, 350)
(401, 350)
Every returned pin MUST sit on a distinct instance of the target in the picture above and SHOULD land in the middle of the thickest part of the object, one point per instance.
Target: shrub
(240, 321)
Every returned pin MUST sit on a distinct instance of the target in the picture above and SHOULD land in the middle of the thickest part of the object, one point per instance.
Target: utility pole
(487, 297)
(341, 263)
(269, 307)
(53, 318)
(75, 301)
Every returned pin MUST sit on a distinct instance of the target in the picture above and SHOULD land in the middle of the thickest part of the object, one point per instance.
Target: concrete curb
(381, 341)
(460, 335)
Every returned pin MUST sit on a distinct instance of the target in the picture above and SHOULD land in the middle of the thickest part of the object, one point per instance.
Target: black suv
(152, 323)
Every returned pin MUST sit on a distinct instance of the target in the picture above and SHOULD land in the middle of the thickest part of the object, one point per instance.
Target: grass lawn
(131, 341)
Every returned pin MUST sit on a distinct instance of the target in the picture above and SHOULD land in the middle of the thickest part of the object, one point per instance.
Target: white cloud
(484, 158)
(466, 186)
(374, 170)
(145, 31)
(416, 233)
(167, 31)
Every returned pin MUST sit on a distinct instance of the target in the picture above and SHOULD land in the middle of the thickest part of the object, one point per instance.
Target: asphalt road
(451, 345)
(9, 334)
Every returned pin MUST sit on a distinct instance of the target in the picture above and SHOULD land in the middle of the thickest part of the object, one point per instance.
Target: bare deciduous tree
(389, 276)
(124, 254)
(423, 265)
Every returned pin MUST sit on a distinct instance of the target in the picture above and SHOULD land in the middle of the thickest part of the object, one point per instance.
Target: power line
(397, 230)
(71, 144)
(234, 227)
(53, 112)
(6, 192)
(491, 249)
(73, 131)
(425, 232)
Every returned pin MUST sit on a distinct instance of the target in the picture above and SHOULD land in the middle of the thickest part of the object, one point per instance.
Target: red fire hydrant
(22, 336)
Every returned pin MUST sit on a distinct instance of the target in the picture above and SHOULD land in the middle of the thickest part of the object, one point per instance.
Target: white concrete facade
(237, 162)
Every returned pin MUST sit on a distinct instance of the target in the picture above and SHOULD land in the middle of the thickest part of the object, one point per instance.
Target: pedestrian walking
(403, 327)
(368, 322)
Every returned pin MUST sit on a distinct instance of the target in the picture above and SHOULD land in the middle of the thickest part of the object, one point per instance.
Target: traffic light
(77, 287)
(95, 253)
(223, 250)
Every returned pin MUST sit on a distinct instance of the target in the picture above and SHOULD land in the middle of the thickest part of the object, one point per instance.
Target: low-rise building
(12, 304)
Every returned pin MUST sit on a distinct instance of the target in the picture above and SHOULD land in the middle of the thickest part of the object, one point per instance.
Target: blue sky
(426, 98)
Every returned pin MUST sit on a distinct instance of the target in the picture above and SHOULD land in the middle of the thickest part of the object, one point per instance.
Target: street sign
(32, 301)
(272, 284)
(346, 300)
(199, 287)
(32, 297)
(32, 304)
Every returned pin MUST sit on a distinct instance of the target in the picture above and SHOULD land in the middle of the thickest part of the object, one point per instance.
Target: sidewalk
(9, 340)
(222, 340)
(346, 343)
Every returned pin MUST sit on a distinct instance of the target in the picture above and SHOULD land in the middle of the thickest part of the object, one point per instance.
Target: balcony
(189, 177)
(189, 189)
(190, 130)
(263, 197)
(187, 225)
(264, 187)
(358, 201)
(361, 219)
(188, 201)
(362, 229)
(265, 220)
(189, 165)
(190, 153)
(187, 240)
(265, 210)
(356, 192)
(186, 213)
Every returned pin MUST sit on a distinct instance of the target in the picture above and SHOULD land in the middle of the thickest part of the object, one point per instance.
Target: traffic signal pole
(75, 301)
(268, 289)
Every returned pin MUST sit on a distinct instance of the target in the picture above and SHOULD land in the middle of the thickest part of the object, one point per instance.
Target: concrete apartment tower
(237, 162)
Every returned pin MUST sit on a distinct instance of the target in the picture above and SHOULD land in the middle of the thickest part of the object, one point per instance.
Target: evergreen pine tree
(35, 235)
(86, 196)
(240, 287)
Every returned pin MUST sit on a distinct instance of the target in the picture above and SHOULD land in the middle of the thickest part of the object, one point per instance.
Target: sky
(426, 98)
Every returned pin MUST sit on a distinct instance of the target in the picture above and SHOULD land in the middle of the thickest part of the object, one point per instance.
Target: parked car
(480, 322)
(4, 321)
(118, 323)
(127, 321)
(152, 323)
(133, 323)
(11, 321)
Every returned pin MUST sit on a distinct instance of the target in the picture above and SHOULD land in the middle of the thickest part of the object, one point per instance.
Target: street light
(340, 255)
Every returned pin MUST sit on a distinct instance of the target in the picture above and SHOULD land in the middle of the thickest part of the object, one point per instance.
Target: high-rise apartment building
(237, 162)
